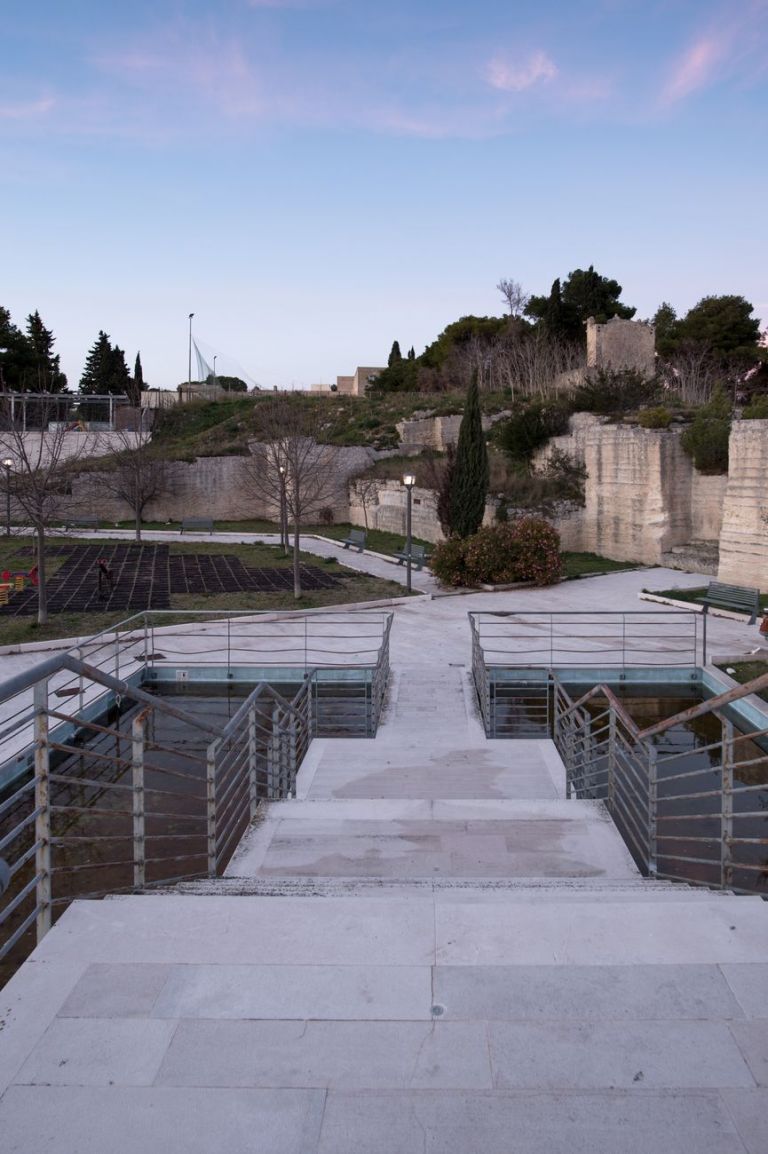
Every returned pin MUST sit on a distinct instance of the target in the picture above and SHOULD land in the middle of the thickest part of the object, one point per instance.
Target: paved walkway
(429, 952)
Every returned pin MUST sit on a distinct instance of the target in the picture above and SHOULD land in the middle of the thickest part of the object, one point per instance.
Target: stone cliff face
(744, 536)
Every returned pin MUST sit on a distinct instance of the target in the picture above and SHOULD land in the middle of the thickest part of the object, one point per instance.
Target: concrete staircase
(429, 951)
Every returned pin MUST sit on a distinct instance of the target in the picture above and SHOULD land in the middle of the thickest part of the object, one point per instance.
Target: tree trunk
(42, 591)
(138, 524)
(296, 572)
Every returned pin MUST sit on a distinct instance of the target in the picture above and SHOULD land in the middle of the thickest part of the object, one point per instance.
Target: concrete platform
(377, 974)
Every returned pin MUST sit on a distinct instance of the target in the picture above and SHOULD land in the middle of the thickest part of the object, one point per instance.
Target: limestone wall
(435, 433)
(744, 537)
(210, 487)
(621, 344)
(386, 508)
(643, 495)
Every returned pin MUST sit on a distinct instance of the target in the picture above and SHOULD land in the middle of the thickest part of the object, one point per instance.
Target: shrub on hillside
(530, 428)
(757, 409)
(613, 392)
(707, 438)
(527, 549)
(656, 418)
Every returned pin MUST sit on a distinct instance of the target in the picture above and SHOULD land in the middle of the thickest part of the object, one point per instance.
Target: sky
(316, 178)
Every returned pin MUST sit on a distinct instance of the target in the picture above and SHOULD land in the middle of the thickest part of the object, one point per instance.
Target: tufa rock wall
(744, 536)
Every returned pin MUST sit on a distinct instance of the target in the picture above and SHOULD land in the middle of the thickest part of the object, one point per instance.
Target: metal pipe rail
(694, 824)
(116, 804)
(512, 639)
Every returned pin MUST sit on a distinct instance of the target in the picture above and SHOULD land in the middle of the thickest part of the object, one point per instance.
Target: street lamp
(214, 372)
(283, 509)
(189, 364)
(7, 465)
(409, 481)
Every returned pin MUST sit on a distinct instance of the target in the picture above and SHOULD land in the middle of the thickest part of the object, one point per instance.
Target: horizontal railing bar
(14, 798)
(19, 828)
(18, 934)
(18, 898)
(25, 857)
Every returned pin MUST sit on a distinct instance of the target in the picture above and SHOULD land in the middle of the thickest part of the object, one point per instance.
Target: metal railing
(113, 789)
(695, 815)
(625, 639)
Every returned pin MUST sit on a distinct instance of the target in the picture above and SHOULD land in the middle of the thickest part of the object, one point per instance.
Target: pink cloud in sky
(694, 69)
(28, 109)
(508, 77)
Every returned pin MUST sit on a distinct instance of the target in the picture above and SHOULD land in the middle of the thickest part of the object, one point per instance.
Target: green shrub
(613, 392)
(525, 432)
(757, 409)
(527, 549)
(657, 418)
(706, 441)
(449, 561)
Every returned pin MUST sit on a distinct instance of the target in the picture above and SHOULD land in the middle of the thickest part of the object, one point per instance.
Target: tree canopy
(28, 363)
(585, 293)
(105, 369)
(469, 482)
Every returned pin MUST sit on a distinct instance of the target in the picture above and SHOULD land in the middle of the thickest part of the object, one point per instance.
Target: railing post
(292, 768)
(43, 807)
(137, 780)
(653, 806)
(273, 757)
(253, 781)
(705, 615)
(726, 815)
(611, 800)
(210, 798)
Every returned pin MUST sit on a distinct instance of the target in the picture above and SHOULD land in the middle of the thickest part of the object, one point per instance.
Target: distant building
(358, 384)
(621, 344)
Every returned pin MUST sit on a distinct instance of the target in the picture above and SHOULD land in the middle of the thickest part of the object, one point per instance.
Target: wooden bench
(419, 556)
(355, 540)
(88, 521)
(197, 525)
(736, 598)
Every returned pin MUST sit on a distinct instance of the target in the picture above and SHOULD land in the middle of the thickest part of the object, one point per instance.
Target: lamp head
(8, 463)
(409, 480)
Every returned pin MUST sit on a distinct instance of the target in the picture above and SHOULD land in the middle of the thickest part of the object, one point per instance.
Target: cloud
(25, 111)
(733, 46)
(695, 69)
(508, 77)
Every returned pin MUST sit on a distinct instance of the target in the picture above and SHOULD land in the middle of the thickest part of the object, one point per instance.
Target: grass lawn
(744, 671)
(355, 587)
(695, 594)
(589, 564)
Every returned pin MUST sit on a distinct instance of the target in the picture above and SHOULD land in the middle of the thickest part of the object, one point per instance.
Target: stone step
(512, 889)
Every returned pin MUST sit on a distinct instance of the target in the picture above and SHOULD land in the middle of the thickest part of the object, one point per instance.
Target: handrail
(708, 706)
(605, 691)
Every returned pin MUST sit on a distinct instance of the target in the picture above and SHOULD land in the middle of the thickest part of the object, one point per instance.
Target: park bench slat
(355, 540)
(736, 598)
(196, 525)
(419, 556)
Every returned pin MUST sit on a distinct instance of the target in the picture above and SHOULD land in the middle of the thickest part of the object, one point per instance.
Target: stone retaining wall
(744, 537)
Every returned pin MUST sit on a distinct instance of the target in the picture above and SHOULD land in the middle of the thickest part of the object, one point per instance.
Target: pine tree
(471, 472)
(45, 366)
(395, 354)
(96, 373)
(118, 379)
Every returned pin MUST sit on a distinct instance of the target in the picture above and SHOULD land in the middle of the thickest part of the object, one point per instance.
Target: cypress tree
(395, 355)
(138, 374)
(471, 472)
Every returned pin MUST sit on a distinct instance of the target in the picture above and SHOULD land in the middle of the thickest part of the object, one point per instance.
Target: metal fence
(112, 789)
(590, 638)
(696, 816)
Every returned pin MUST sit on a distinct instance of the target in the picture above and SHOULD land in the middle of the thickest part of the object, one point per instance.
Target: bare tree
(289, 465)
(39, 478)
(367, 490)
(535, 364)
(691, 373)
(515, 296)
(137, 474)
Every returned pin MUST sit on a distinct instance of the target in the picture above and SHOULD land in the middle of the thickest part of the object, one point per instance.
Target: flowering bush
(527, 549)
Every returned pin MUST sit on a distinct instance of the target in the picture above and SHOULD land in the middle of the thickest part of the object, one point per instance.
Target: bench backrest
(736, 595)
(197, 523)
(357, 535)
